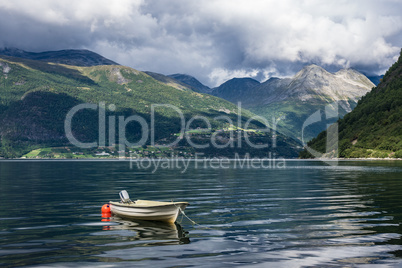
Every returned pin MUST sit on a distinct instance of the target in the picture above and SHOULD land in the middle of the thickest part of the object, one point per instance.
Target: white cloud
(213, 40)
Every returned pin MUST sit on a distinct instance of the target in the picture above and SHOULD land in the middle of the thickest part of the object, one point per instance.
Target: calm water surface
(307, 214)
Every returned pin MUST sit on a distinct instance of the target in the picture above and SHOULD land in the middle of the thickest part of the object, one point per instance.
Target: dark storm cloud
(29, 33)
(213, 40)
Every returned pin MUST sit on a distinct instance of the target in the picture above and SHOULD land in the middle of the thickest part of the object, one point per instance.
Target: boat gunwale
(134, 205)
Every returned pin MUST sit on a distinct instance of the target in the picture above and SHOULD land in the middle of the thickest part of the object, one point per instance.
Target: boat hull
(148, 210)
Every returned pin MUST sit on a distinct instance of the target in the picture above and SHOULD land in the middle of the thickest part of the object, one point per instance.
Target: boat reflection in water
(161, 233)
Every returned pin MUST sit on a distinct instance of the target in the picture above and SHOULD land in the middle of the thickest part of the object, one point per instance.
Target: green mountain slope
(36, 97)
(169, 81)
(374, 127)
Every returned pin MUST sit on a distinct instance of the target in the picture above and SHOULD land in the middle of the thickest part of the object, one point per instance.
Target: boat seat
(125, 198)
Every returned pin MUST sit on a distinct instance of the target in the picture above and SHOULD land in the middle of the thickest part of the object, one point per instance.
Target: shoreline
(199, 159)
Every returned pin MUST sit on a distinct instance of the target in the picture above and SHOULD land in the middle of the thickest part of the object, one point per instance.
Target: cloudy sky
(213, 40)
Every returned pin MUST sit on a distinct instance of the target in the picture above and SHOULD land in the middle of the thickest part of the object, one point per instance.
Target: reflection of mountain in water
(160, 232)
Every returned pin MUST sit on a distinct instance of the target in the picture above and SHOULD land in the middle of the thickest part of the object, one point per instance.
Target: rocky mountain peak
(313, 71)
(314, 81)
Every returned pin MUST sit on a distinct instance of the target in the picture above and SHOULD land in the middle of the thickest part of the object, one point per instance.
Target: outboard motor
(125, 198)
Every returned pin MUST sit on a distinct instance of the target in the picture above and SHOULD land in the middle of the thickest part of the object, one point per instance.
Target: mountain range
(287, 103)
(373, 128)
(32, 79)
(290, 101)
(39, 89)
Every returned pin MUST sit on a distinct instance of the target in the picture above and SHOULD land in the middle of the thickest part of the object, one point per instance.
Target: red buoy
(106, 208)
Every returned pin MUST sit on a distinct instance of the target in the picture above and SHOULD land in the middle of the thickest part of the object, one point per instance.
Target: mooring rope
(184, 214)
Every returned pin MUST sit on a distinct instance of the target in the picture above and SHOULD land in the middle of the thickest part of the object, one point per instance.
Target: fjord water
(306, 214)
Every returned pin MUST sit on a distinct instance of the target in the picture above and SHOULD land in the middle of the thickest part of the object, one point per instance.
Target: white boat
(146, 210)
